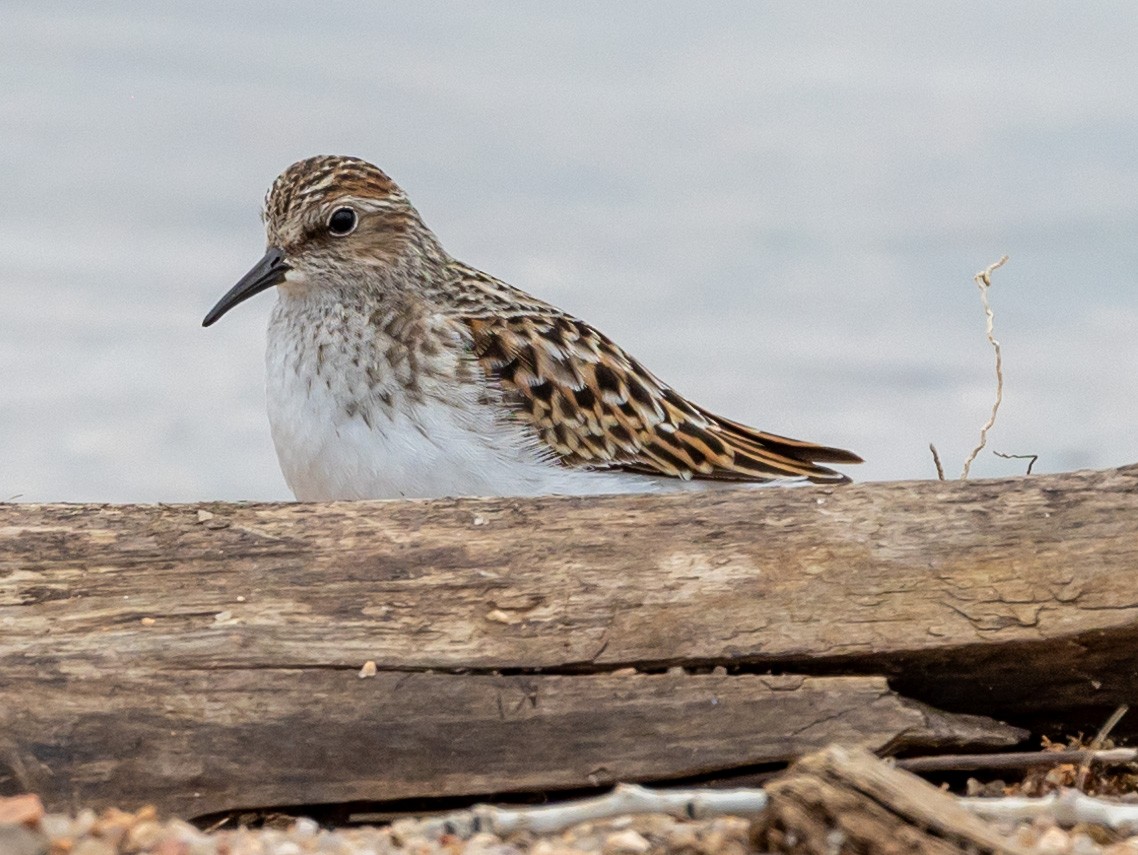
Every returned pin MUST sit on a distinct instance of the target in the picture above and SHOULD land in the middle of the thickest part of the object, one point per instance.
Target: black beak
(266, 273)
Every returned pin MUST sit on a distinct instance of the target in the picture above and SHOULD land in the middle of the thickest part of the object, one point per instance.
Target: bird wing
(596, 407)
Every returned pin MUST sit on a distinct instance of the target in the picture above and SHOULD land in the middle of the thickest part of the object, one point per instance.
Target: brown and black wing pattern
(596, 407)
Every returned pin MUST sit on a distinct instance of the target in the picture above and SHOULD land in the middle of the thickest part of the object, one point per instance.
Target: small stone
(60, 825)
(479, 520)
(26, 809)
(682, 837)
(1025, 835)
(499, 616)
(179, 829)
(204, 516)
(484, 843)
(1054, 841)
(627, 842)
(368, 670)
(714, 840)
(401, 830)
(1126, 847)
(1043, 821)
(113, 824)
(21, 840)
(222, 617)
(143, 836)
(94, 846)
(240, 598)
(625, 672)
(305, 827)
(147, 621)
(84, 821)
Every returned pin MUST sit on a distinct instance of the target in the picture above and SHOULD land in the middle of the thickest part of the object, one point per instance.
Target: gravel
(25, 829)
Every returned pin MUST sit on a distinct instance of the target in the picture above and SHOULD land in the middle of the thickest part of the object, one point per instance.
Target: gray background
(778, 208)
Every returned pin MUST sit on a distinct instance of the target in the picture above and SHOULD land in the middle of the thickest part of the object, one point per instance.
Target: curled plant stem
(983, 281)
(1031, 458)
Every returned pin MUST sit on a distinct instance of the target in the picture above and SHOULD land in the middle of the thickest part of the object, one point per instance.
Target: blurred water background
(777, 207)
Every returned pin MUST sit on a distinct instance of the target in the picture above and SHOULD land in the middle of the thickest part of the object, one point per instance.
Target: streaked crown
(340, 206)
(315, 180)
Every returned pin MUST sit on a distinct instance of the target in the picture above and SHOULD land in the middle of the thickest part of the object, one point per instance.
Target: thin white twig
(983, 281)
(1069, 807)
(624, 799)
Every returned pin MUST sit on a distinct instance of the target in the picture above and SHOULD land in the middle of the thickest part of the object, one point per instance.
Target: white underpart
(440, 446)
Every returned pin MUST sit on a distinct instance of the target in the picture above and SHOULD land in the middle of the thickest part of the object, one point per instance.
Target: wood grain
(925, 570)
(1013, 597)
(196, 742)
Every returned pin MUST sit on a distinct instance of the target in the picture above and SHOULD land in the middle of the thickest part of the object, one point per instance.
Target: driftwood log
(207, 656)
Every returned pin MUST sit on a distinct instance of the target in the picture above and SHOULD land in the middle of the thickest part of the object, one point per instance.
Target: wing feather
(596, 407)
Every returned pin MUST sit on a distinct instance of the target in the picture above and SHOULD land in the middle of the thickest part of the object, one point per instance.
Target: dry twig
(624, 799)
(1068, 808)
(1015, 760)
(983, 281)
(936, 460)
(1096, 744)
(1030, 457)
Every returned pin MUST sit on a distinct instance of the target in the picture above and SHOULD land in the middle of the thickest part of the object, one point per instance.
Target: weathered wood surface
(197, 742)
(1013, 596)
(906, 576)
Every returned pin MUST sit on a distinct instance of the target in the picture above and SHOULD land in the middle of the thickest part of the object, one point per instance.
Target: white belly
(426, 451)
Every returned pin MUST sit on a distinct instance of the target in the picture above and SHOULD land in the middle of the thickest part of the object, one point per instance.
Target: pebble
(20, 840)
(94, 846)
(1054, 841)
(627, 842)
(26, 810)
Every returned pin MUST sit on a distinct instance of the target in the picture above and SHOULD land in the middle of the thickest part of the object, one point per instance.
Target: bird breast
(366, 411)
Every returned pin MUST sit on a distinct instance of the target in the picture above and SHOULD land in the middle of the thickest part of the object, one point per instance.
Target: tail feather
(760, 453)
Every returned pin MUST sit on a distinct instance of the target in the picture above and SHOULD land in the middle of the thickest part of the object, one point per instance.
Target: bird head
(329, 221)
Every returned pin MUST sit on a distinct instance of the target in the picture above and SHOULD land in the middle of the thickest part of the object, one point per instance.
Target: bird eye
(342, 222)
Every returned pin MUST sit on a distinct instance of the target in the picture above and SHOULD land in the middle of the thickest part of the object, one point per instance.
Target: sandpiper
(394, 370)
